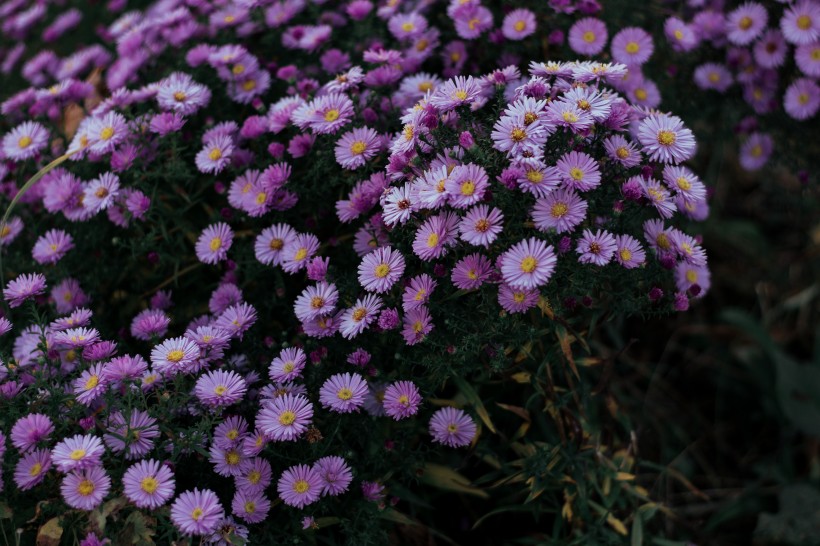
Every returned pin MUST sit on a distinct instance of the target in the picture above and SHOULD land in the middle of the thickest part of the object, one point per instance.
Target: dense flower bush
(258, 254)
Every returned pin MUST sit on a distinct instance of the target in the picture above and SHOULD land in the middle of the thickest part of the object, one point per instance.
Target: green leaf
(637, 531)
(472, 397)
(448, 479)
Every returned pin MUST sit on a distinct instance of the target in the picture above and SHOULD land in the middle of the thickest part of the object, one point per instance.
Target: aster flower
(681, 36)
(85, 489)
(180, 93)
(756, 151)
(197, 512)
(588, 36)
(745, 23)
(215, 155)
(632, 46)
(31, 469)
(521, 134)
(807, 58)
(466, 185)
(517, 300)
(567, 114)
(150, 323)
(286, 417)
(596, 248)
(355, 319)
(417, 323)
(330, 113)
(255, 477)
(214, 242)
(455, 92)
(770, 51)
(237, 319)
(561, 210)
(802, 99)
(658, 237)
(220, 388)
(628, 252)
(24, 287)
(136, 433)
(657, 195)
(315, 301)
(334, 473)
(52, 246)
(251, 506)
(77, 453)
(401, 400)
(288, 365)
(688, 276)
(518, 24)
(380, 269)
(687, 248)
(579, 171)
(357, 147)
(106, 132)
(29, 430)
(471, 20)
(231, 432)
(343, 392)
(25, 141)
(417, 292)
(299, 486)
(270, 243)
(801, 22)
(397, 204)
(227, 462)
(471, 271)
(148, 484)
(10, 230)
(174, 355)
(299, 251)
(713, 76)
(684, 182)
(90, 385)
(452, 427)
(665, 139)
(528, 264)
(536, 177)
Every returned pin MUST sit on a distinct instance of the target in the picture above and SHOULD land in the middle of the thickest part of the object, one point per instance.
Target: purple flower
(401, 400)
(579, 171)
(32, 468)
(148, 484)
(452, 427)
(455, 92)
(174, 355)
(380, 269)
(288, 365)
(528, 264)
(85, 489)
(24, 287)
(632, 46)
(270, 243)
(802, 99)
(215, 154)
(179, 93)
(518, 24)
(197, 512)
(25, 141)
(214, 242)
(150, 323)
(628, 252)
(251, 506)
(137, 433)
(517, 300)
(343, 392)
(801, 22)
(561, 210)
(77, 453)
(357, 147)
(481, 225)
(588, 36)
(355, 319)
(597, 248)
(417, 324)
(52, 246)
(220, 388)
(665, 139)
(299, 486)
(745, 23)
(335, 474)
(756, 151)
(417, 292)
(29, 430)
(106, 132)
(285, 418)
(471, 271)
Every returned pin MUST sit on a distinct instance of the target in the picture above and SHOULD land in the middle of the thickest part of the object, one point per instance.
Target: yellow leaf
(522, 377)
(624, 476)
(448, 479)
(472, 396)
(616, 524)
(50, 533)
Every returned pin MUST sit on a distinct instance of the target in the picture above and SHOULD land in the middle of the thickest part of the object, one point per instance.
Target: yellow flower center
(215, 154)
(229, 19)
(528, 264)
(238, 69)
(804, 22)
(595, 248)
(683, 183)
(518, 297)
(632, 48)
(589, 36)
(745, 23)
(666, 138)
(301, 486)
(569, 117)
(425, 86)
(417, 327)
(149, 484)
(35, 469)
(381, 270)
(815, 54)
(254, 476)
(678, 34)
(408, 27)
(559, 210)
(408, 132)
(219, 390)
(216, 244)
(404, 400)
(101, 192)
(467, 188)
(107, 133)
(24, 142)
(626, 255)
(460, 94)
(77, 454)
(232, 434)
(250, 507)
(92, 382)
(576, 174)
(641, 94)
(85, 488)
(519, 26)
(757, 150)
(344, 394)
(179, 96)
(422, 44)
(249, 85)
(359, 314)
(536, 177)
(232, 458)
(197, 513)
(663, 241)
(420, 294)
(472, 23)
(482, 225)
(287, 418)
(622, 152)
(518, 134)
(803, 98)
(455, 56)
(472, 274)
(4, 231)
(332, 115)
(277, 244)
(530, 118)
(300, 255)
(175, 356)
(714, 77)
(358, 147)
(432, 240)
(452, 428)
